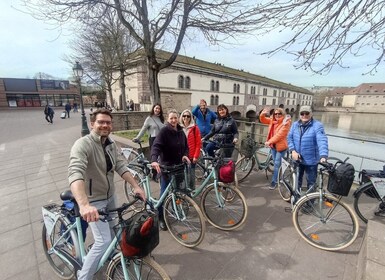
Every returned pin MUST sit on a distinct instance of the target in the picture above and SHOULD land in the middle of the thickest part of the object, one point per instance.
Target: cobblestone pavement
(33, 171)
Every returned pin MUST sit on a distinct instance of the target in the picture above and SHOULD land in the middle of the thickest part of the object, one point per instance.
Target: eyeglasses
(104, 122)
(305, 113)
(279, 114)
(186, 116)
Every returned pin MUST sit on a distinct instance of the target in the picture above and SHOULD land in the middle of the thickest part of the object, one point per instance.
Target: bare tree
(158, 23)
(324, 34)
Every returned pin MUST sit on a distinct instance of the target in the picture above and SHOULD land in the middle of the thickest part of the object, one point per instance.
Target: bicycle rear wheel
(367, 202)
(67, 245)
(227, 214)
(184, 219)
(138, 269)
(129, 191)
(243, 168)
(130, 155)
(201, 166)
(327, 223)
(285, 183)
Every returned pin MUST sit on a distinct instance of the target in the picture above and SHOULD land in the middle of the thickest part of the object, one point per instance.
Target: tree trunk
(152, 75)
(123, 89)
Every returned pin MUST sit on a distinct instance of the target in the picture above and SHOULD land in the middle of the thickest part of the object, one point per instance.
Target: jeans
(191, 179)
(311, 174)
(102, 234)
(277, 158)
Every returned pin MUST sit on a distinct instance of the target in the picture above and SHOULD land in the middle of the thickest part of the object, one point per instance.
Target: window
(235, 88)
(287, 102)
(212, 85)
(293, 102)
(283, 94)
(217, 86)
(188, 82)
(265, 91)
(275, 93)
(253, 90)
(216, 101)
(180, 81)
(237, 100)
(238, 88)
(293, 95)
(212, 101)
(263, 101)
(234, 100)
(288, 95)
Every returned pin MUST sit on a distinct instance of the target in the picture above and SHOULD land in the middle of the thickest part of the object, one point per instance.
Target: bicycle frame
(79, 244)
(263, 165)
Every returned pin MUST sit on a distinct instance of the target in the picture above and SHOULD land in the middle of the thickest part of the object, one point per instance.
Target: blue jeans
(311, 174)
(277, 156)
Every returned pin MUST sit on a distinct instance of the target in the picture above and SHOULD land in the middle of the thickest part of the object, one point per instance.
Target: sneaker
(162, 225)
(272, 186)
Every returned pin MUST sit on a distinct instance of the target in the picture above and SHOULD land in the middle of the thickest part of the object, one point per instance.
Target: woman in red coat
(194, 142)
(279, 127)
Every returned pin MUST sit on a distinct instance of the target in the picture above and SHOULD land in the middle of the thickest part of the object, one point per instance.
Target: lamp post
(78, 72)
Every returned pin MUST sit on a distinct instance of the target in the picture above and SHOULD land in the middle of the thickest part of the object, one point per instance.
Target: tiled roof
(368, 88)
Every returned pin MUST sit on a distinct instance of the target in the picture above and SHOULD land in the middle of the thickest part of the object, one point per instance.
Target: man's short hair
(102, 111)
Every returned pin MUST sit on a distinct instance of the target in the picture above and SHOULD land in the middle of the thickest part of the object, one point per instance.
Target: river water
(359, 136)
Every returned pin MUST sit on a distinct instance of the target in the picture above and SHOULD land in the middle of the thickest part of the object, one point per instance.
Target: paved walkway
(33, 171)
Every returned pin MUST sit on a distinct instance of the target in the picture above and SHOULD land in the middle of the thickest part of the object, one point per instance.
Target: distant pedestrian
(75, 107)
(68, 109)
(49, 112)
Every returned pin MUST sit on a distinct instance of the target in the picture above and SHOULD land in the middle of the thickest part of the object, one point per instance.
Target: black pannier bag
(140, 234)
(341, 180)
(364, 177)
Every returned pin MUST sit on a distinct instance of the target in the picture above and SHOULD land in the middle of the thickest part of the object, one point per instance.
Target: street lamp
(78, 72)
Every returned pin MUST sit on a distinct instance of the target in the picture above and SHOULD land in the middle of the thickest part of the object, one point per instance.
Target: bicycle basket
(140, 234)
(248, 147)
(341, 179)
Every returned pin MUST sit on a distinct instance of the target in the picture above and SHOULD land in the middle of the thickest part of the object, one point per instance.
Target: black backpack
(341, 179)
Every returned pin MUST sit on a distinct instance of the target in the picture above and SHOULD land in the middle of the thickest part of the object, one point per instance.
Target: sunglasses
(186, 116)
(305, 113)
(278, 114)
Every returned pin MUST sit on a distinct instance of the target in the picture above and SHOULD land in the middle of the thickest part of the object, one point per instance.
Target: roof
(368, 88)
(221, 69)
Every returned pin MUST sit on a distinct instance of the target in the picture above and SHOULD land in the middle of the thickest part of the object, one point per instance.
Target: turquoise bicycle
(181, 214)
(63, 245)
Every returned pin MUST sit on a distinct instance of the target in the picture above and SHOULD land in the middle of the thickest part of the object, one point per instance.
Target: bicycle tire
(59, 266)
(138, 269)
(129, 191)
(185, 223)
(228, 217)
(270, 166)
(132, 156)
(366, 202)
(337, 230)
(200, 167)
(243, 168)
(285, 181)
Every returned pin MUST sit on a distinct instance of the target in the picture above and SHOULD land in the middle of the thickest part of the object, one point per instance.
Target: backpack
(140, 234)
(227, 172)
(341, 180)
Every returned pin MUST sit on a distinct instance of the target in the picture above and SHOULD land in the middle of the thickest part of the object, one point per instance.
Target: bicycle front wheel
(243, 168)
(286, 180)
(129, 190)
(367, 202)
(325, 222)
(66, 245)
(184, 219)
(138, 269)
(227, 210)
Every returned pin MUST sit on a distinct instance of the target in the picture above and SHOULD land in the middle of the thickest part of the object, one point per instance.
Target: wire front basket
(248, 147)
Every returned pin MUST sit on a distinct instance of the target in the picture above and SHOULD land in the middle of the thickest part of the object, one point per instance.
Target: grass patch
(130, 134)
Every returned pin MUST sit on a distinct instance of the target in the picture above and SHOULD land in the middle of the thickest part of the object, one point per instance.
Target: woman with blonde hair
(279, 127)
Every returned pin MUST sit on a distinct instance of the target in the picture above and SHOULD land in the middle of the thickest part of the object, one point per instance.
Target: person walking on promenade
(308, 143)
(49, 112)
(224, 131)
(75, 107)
(67, 108)
(279, 126)
(194, 142)
(153, 124)
(170, 146)
(93, 160)
(204, 117)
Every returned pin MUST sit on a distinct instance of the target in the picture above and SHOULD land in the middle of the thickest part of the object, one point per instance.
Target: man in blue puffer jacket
(308, 144)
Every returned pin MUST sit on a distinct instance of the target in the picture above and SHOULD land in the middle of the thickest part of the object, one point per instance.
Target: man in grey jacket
(94, 159)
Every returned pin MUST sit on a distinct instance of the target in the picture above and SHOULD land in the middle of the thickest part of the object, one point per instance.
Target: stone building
(189, 79)
(367, 97)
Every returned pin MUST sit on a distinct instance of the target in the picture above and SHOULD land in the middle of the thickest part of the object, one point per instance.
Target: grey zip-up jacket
(88, 163)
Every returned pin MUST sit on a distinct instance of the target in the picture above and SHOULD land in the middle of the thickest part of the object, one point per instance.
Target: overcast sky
(29, 46)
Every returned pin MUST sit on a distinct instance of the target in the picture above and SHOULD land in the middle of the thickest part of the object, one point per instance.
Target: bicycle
(131, 155)
(64, 247)
(182, 215)
(288, 181)
(223, 206)
(249, 160)
(322, 219)
(369, 198)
